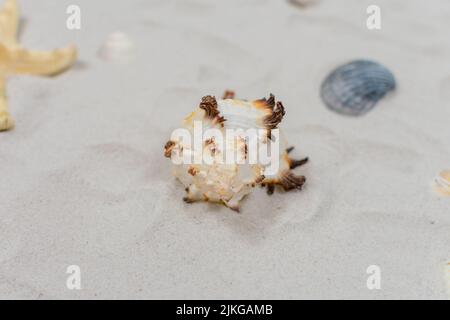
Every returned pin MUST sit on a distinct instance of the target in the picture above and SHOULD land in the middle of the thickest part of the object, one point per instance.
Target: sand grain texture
(84, 180)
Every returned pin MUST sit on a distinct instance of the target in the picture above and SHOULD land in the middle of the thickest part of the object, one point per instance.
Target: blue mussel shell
(354, 88)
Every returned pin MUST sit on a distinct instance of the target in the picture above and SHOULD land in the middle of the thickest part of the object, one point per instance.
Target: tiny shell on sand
(118, 47)
(447, 277)
(442, 183)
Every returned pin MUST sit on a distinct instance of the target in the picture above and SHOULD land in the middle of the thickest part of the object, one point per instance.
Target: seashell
(118, 47)
(447, 277)
(226, 182)
(303, 3)
(442, 183)
(354, 88)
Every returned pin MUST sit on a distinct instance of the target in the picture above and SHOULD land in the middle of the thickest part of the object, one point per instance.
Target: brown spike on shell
(209, 104)
(290, 181)
(271, 101)
(289, 150)
(266, 103)
(168, 148)
(228, 95)
(272, 120)
(297, 163)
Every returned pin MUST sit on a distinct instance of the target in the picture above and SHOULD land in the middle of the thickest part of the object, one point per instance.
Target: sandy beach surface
(84, 180)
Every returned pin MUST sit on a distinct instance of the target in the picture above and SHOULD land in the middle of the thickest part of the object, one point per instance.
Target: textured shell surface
(224, 182)
(355, 88)
(442, 183)
(447, 277)
(117, 47)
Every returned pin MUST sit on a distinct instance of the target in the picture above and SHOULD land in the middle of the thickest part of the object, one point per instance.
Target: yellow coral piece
(16, 60)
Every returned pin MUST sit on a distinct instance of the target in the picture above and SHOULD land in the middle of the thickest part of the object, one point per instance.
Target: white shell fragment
(447, 277)
(442, 183)
(228, 183)
(118, 47)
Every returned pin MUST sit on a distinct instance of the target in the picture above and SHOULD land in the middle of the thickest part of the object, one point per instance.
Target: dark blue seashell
(354, 88)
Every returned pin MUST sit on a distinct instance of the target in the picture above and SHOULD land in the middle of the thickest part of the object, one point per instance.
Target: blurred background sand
(84, 180)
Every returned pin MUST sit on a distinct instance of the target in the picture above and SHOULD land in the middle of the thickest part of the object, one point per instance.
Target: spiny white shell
(218, 181)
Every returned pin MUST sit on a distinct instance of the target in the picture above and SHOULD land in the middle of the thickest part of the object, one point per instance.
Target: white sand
(84, 181)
